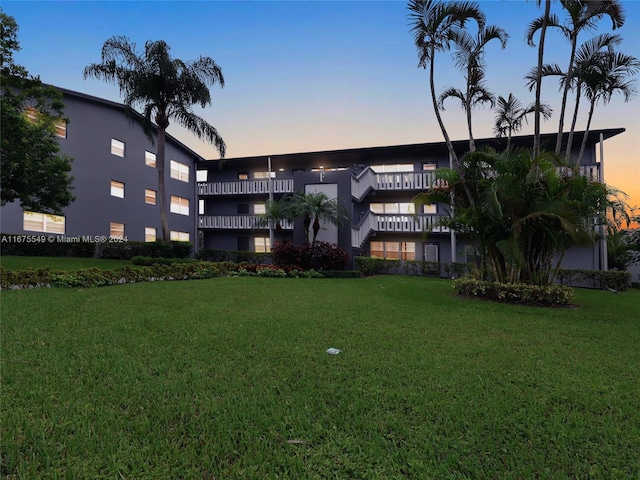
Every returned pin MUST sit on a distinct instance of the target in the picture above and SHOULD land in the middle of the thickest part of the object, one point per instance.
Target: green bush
(157, 249)
(548, 295)
(232, 256)
(601, 279)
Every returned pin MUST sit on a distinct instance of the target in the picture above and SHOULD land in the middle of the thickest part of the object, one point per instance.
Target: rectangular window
(116, 229)
(393, 250)
(117, 189)
(179, 205)
(201, 175)
(395, 168)
(429, 166)
(243, 176)
(43, 222)
(261, 245)
(117, 147)
(60, 125)
(149, 196)
(393, 208)
(150, 159)
(259, 209)
(179, 236)
(200, 207)
(261, 175)
(149, 234)
(430, 208)
(179, 171)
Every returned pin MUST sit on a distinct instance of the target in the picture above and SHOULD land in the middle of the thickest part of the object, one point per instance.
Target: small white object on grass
(333, 351)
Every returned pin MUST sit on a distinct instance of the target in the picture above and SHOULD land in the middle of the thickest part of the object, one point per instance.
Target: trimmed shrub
(45, 245)
(157, 249)
(316, 255)
(616, 280)
(548, 295)
(236, 256)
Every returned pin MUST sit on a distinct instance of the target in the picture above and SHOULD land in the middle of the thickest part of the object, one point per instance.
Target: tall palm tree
(510, 114)
(469, 57)
(432, 23)
(539, 24)
(316, 208)
(166, 89)
(276, 211)
(581, 15)
(609, 74)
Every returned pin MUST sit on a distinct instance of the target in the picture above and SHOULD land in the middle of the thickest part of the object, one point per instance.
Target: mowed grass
(59, 263)
(228, 378)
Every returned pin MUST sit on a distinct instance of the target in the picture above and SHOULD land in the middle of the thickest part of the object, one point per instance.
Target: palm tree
(539, 24)
(316, 208)
(511, 114)
(276, 211)
(608, 74)
(432, 25)
(166, 89)
(469, 57)
(581, 15)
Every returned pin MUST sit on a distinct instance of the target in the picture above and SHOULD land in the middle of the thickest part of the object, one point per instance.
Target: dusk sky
(319, 75)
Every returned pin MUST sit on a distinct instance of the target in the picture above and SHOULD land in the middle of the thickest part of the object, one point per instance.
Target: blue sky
(316, 75)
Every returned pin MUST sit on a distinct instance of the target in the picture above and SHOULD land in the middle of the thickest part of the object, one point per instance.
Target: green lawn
(228, 378)
(59, 263)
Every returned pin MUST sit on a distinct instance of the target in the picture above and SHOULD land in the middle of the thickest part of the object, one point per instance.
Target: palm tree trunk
(565, 93)
(447, 140)
(574, 120)
(586, 133)
(162, 194)
(543, 33)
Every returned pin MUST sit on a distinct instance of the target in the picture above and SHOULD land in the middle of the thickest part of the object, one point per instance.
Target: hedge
(548, 295)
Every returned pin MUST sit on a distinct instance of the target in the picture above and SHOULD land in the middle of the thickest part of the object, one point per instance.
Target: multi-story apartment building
(115, 178)
(375, 184)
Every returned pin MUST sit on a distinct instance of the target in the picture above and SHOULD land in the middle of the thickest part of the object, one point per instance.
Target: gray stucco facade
(109, 188)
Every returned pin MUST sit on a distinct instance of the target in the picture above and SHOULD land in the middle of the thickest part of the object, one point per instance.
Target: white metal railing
(368, 180)
(372, 222)
(246, 187)
(238, 222)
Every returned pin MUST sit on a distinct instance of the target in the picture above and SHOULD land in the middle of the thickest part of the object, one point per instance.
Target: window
(149, 234)
(43, 222)
(243, 176)
(260, 175)
(179, 171)
(391, 208)
(429, 208)
(117, 189)
(429, 166)
(328, 169)
(179, 236)
(201, 175)
(149, 196)
(259, 209)
(399, 167)
(394, 250)
(150, 159)
(116, 229)
(200, 207)
(60, 125)
(179, 205)
(117, 147)
(261, 245)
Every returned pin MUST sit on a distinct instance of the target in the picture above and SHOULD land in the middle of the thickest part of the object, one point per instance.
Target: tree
(316, 208)
(608, 74)
(276, 211)
(527, 212)
(469, 57)
(510, 114)
(166, 89)
(432, 25)
(34, 172)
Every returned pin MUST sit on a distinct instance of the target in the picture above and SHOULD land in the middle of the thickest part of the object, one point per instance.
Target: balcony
(246, 187)
(394, 223)
(369, 181)
(237, 222)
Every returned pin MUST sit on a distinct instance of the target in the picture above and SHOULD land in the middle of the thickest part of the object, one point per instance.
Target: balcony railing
(246, 187)
(372, 222)
(368, 180)
(238, 222)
